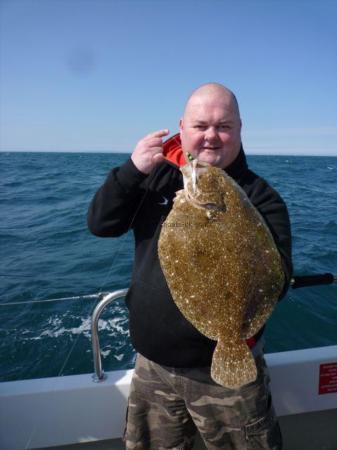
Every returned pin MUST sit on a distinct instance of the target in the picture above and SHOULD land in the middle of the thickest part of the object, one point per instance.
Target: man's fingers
(154, 142)
(149, 151)
(157, 134)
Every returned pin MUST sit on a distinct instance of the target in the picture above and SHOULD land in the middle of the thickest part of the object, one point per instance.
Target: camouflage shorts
(168, 406)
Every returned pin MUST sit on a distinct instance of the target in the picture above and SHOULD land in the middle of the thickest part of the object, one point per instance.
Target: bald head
(210, 128)
(215, 93)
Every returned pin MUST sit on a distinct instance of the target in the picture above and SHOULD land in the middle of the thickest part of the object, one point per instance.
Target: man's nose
(211, 133)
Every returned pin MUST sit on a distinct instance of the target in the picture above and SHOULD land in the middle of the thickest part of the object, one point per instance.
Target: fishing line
(119, 247)
(121, 243)
(62, 299)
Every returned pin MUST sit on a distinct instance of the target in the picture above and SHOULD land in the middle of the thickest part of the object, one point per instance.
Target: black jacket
(130, 199)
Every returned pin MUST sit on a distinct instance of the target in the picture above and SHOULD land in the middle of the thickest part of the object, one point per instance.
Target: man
(172, 394)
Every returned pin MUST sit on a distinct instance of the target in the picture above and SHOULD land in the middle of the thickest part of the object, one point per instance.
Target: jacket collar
(239, 166)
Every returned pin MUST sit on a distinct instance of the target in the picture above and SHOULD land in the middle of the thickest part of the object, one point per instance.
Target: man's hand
(149, 151)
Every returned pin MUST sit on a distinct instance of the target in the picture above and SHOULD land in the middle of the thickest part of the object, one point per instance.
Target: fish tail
(233, 364)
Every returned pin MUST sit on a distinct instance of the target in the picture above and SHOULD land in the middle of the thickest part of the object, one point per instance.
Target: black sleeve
(275, 213)
(115, 204)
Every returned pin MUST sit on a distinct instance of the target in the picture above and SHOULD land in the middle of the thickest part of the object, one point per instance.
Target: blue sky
(97, 75)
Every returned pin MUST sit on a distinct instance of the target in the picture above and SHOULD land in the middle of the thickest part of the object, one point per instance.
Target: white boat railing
(99, 374)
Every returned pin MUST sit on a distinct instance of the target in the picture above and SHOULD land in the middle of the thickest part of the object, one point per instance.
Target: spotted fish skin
(222, 267)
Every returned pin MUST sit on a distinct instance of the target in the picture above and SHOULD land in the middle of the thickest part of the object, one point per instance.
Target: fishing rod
(312, 280)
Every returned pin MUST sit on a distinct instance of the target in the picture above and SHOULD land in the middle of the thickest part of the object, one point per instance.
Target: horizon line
(248, 153)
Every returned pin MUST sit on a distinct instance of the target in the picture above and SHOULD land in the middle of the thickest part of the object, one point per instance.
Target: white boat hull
(54, 412)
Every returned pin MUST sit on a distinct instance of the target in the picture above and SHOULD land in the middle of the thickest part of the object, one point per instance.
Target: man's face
(211, 131)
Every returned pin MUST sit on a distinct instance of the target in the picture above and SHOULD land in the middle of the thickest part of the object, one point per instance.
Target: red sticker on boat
(328, 378)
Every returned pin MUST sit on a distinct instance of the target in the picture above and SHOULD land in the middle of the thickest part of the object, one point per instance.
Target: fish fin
(263, 296)
(233, 364)
(257, 313)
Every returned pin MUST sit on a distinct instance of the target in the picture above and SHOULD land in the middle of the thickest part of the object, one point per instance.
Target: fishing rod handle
(312, 280)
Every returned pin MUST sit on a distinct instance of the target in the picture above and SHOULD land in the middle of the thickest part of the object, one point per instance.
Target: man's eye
(224, 127)
(200, 127)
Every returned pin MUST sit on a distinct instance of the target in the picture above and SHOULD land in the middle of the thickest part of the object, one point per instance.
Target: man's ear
(181, 125)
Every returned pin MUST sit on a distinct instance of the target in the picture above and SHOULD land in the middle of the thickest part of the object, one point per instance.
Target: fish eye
(214, 207)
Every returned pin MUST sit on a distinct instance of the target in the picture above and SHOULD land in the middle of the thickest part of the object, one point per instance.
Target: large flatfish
(222, 267)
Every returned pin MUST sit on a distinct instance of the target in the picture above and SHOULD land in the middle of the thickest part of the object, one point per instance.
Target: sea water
(47, 253)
